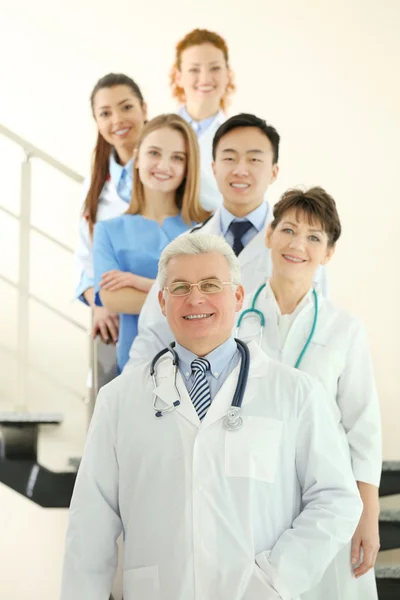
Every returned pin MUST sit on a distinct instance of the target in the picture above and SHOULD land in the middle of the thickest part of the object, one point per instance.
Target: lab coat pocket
(252, 451)
(142, 584)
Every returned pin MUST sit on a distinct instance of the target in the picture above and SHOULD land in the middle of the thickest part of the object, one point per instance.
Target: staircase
(387, 568)
(37, 376)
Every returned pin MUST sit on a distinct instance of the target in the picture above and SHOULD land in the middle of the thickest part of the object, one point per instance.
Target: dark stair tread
(30, 418)
(388, 564)
(390, 508)
(391, 465)
(49, 489)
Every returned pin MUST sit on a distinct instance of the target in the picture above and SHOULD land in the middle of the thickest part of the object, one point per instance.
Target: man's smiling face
(201, 322)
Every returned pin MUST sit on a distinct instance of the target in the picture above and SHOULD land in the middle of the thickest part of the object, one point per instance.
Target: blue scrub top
(131, 243)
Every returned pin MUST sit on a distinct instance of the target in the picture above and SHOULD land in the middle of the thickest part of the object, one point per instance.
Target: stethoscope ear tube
(310, 337)
(175, 359)
(155, 360)
(153, 364)
(243, 375)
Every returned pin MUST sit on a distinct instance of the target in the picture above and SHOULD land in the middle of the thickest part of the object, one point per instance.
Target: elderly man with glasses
(253, 511)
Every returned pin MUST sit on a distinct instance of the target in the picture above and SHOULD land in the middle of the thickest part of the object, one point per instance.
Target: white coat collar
(213, 225)
(166, 392)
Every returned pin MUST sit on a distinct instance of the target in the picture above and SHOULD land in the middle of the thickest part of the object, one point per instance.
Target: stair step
(391, 465)
(20, 430)
(390, 479)
(390, 508)
(40, 485)
(74, 462)
(26, 418)
(389, 522)
(388, 564)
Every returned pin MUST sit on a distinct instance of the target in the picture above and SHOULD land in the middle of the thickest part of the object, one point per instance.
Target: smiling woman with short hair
(307, 331)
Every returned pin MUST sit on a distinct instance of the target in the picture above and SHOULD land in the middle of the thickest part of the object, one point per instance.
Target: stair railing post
(23, 284)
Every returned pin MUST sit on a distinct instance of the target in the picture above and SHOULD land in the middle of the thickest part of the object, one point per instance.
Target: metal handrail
(39, 371)
(25, 228)
(40, 231)
(46, 305)
(32, 150)
(101, 371)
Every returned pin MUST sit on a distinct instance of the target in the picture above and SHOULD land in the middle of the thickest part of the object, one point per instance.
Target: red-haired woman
(201, 81)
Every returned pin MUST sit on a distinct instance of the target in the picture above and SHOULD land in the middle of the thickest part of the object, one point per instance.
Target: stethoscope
(254, 311)
(233, 421)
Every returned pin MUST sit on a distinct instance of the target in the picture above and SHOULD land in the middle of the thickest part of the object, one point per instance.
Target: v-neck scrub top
(131, 243)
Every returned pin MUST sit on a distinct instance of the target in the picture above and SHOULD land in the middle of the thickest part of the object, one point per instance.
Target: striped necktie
(200, 391)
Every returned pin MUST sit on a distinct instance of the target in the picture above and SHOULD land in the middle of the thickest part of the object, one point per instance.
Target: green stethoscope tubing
(254, 310)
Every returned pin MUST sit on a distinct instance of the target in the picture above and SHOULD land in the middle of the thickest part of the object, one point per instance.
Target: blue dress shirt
(222, 362)
(122, 177)
(199, 126)
(257, 218)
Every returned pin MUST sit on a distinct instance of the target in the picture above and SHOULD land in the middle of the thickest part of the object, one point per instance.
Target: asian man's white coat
(254, 514)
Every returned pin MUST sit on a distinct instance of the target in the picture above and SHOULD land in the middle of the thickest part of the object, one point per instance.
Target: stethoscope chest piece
(233, 421)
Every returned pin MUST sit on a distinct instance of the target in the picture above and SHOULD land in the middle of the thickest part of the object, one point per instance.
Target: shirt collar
(270, 294)
(198, 126)
(117, 170)
(218, 358)
(257, 217)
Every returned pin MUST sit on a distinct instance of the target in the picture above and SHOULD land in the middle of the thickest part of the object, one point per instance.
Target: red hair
(196, 38)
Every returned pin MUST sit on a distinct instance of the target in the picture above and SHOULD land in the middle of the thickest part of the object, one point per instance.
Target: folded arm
(126, 300)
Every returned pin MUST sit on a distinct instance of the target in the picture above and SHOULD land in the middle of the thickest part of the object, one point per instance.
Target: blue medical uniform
(131, 243)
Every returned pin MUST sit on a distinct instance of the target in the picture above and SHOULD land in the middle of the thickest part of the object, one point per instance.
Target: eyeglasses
(207, 286)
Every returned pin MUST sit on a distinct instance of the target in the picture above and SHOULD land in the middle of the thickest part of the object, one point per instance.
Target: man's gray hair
(198, 243)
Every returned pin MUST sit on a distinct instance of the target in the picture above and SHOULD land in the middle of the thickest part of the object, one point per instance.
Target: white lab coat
(210, 196)
(255, 262)
(255, 514)
(110, 205)
(339, 358)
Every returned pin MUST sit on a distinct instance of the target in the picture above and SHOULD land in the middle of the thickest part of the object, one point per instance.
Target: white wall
(324, 73)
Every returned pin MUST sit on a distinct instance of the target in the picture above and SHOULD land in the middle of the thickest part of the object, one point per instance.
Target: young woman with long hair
(165, 203)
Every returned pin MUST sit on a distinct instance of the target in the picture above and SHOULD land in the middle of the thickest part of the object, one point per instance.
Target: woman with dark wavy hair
(119, 111)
